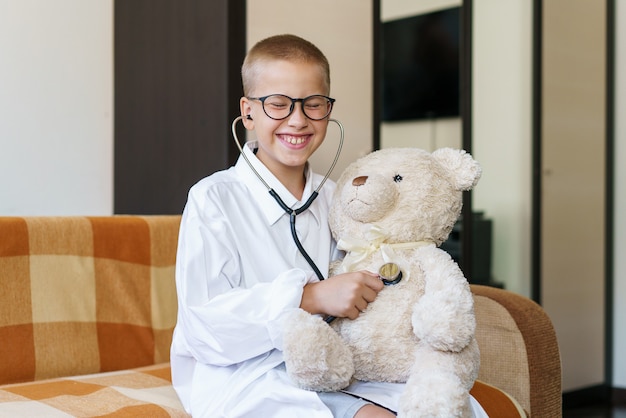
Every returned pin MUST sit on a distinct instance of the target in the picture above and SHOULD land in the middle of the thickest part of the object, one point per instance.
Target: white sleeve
(222, 322)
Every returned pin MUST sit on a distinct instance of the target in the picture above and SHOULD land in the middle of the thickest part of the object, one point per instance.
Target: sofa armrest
(519, 350)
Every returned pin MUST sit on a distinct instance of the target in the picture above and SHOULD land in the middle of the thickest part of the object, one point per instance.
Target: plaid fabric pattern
(95, 298)
(82, 295)
(143, 392)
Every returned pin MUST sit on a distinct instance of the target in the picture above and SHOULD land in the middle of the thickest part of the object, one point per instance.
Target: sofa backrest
(81, 295)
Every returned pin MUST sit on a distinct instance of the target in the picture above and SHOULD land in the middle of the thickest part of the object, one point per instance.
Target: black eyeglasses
(279, 106)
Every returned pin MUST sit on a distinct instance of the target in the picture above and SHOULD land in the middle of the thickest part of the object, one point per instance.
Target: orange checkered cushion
(142, 392)
(81, 295)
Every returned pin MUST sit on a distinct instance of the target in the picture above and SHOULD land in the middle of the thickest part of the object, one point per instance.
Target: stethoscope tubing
(293, 212)
(287, 209)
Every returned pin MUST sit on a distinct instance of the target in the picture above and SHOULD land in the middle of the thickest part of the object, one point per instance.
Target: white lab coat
(238, 273)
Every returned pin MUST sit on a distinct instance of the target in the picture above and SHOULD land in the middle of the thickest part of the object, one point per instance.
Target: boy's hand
(344, 296)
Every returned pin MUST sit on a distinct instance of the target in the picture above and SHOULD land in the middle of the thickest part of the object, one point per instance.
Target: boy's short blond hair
(281, 47)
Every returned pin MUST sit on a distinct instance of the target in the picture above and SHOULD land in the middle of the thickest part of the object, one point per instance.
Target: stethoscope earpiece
(248, 117)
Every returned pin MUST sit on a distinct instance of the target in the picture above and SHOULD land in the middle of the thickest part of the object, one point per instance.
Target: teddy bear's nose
(359, 181)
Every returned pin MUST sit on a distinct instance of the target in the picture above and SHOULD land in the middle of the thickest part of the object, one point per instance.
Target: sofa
(88, 306)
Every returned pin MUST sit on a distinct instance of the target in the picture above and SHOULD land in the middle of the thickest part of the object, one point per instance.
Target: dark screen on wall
(421, 66)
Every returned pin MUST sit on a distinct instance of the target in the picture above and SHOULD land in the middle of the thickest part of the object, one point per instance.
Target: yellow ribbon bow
(358, 249)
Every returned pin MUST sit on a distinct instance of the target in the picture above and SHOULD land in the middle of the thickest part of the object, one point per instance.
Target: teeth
(293, 140)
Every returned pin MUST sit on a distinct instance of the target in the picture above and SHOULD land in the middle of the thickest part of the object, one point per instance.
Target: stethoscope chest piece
(390, 273)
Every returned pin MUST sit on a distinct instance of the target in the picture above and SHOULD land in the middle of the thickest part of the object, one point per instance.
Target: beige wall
(502, 92)
(501, 137)
(573, 182)
(343, 31)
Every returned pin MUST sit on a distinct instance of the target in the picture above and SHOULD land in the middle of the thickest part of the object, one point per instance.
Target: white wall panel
(56, 102)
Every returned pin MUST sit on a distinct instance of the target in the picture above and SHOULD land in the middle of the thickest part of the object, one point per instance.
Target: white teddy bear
(397, 206)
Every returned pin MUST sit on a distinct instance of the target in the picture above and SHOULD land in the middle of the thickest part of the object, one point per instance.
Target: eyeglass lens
(278, 106)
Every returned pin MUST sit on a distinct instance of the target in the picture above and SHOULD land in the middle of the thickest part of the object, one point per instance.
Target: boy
(238, 271)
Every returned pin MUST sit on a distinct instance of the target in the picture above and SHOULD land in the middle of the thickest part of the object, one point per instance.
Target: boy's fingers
(373, 282)
(370, 295)
(361, 306)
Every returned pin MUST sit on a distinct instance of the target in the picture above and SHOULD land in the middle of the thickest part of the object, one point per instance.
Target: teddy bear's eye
(397, 178)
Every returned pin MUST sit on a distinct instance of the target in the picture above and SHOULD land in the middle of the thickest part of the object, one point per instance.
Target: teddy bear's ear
(464, 170)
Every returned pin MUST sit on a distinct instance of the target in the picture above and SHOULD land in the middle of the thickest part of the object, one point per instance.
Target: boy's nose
(298, 117)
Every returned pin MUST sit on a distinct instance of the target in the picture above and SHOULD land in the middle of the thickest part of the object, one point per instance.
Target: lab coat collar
(264, 200)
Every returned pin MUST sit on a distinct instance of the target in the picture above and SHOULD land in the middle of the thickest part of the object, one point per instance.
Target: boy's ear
(246, 110)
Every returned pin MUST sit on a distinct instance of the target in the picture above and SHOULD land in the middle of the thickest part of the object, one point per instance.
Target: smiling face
(286, 145)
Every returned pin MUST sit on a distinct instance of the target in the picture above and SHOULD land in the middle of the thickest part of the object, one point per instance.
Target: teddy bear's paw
(442, 329)
(434, 396)
(316, 358)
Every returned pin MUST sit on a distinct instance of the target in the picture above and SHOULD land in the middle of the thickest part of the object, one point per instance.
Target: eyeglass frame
(293, 105)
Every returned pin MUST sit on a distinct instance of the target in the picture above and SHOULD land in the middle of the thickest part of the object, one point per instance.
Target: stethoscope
(293, 213)
(389, 273)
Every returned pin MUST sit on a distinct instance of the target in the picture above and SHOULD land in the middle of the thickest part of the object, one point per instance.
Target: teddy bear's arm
(444, 316)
